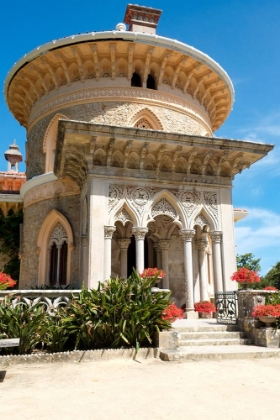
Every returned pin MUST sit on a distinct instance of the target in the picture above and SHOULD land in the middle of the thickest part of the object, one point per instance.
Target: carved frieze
(123, 216)
(210, 200)
(163, 207)
(115, 194)
(190, 200)
(201, 221)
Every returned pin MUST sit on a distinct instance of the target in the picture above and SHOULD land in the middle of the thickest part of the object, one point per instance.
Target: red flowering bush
(172, 312)
(204, 306)
(6, 281)
(152, 272)
(270, 288)
(244, 275)
(266, 310)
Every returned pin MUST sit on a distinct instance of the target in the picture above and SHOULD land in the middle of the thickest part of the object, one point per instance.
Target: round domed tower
(122, 167)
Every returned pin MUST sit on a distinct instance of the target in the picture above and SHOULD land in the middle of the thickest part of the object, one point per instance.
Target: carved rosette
(139, 197)
(210, 200)
(109, 231)
(187, 234)
(140, 233)
(124, 243)
(163, 207)
(189, 200)
(216, 236)
(164, 244)
(115, 194)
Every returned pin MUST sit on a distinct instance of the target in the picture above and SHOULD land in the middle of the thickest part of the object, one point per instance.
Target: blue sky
(242, 36)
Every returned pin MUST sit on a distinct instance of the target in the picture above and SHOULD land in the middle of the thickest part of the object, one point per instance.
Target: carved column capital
(164, 244)
(216, 235)
(201, 245)
(124, 243)
(187, 234)
(108, 231)
(140, 232)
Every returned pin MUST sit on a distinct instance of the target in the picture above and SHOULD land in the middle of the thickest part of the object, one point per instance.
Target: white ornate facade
(122, 166)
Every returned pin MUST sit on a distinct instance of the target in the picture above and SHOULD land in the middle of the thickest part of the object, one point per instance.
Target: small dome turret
(13, 156)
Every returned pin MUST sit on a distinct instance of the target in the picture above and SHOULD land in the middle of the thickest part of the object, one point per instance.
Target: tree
(273, 276)
(9, 239)
(248, 261)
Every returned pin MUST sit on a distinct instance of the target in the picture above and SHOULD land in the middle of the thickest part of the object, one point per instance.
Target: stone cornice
(10, 198)
(83, 57)
(36, 181)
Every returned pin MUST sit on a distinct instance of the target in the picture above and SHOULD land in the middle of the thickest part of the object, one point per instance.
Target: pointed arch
(49, 142)
(123, 213)
(53, 220)
(146, 117)
(164, 203)
(202, 218)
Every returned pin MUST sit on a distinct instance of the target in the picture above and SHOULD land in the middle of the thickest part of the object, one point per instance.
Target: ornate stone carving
(201, 245)
(123, 216)
(163, 207)
(124, 243)
(58, 235)
(139, 233)
(115, 194)
(164, 244)
(210, 200)
(216, 236)
(143, 123)
(189, 200)
(140, 196)
(109, 231)
(187, 234)
(201, 221)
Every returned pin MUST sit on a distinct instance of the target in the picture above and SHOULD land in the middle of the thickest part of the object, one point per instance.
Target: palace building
(123, 169)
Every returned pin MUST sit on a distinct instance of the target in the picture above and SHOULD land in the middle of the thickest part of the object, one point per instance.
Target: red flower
(6, 281)
(204, 306)
(172, 312)
(270, 288)
(266, 310)
(244, 275)
(152, 272)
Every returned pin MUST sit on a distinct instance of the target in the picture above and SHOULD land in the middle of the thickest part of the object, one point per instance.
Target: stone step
(215, 342)
(211, 335)
(218, 353)
(205, 328)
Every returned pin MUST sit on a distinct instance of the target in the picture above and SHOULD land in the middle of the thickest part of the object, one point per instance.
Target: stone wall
(34, 216)
(111, 113)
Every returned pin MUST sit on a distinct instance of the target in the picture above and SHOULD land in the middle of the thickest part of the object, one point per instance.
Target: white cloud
(259, 233)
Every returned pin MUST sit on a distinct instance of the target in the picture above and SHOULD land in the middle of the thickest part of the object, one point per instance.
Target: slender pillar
(58, 264)
(203, 281)
(158, 252)
(124, 244)
(164, 246)
(84, 258)
(108, 234)
(187, 236)
(140, 233)
(216, 237)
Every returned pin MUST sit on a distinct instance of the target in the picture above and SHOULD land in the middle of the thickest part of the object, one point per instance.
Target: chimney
(141, 18)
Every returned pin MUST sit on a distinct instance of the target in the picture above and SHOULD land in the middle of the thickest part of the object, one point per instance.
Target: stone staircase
(205, 339)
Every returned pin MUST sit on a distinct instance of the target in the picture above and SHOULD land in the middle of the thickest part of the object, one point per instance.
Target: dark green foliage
(22, 322)
(9, 239)
(248, 261)
(121, 312)
(273, 276)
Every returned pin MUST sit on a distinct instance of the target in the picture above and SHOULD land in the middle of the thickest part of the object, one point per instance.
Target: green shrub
(23, 322)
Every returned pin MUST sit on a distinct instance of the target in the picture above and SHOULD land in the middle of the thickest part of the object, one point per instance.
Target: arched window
(151, 84)
(55, 246)
(136, 80)
(58, 252)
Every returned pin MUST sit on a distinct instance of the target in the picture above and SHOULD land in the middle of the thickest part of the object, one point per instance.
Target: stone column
(58, 265)
(164, 245)
(187, 236)
(216, 237)
(84, 259)
(158, 252)
(108, 234)
(124, 244)
(203, 281)
(140, 233)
